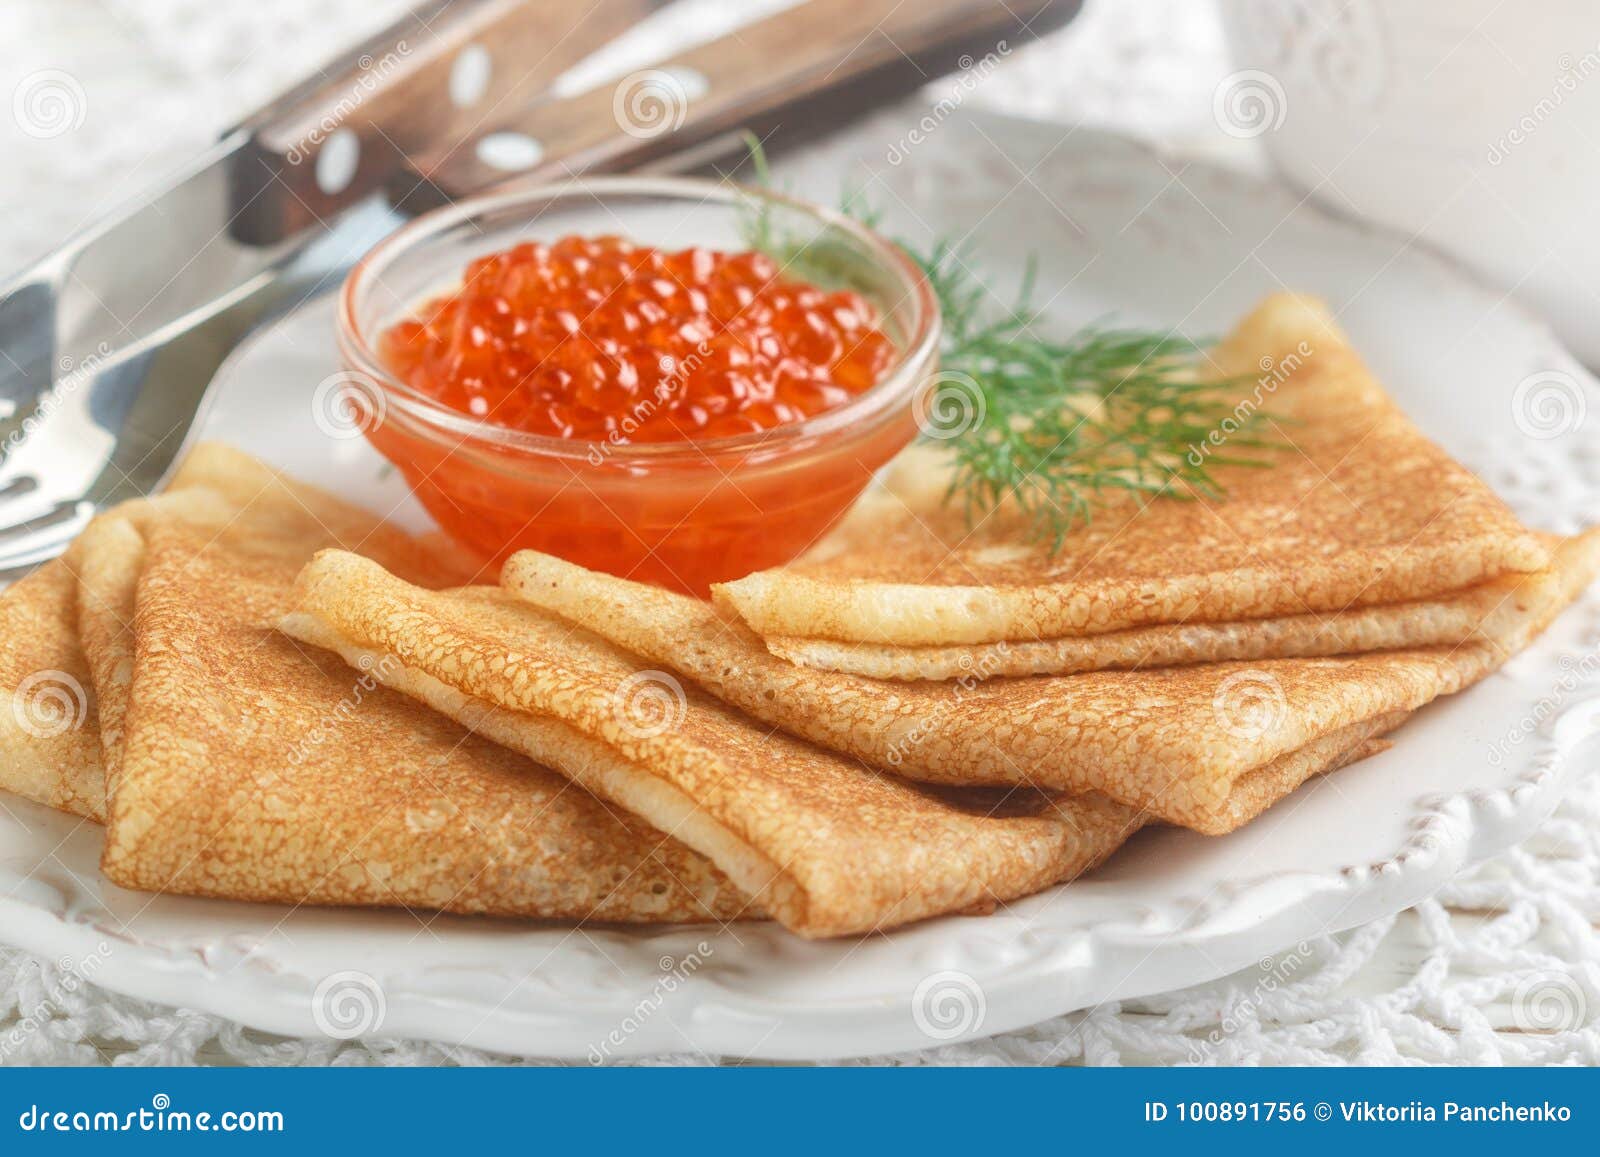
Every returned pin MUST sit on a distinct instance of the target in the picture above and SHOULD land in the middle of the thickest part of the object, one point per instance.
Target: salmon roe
(602, 339)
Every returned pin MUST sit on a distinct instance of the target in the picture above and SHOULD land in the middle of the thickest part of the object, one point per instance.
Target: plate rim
(1446, 833)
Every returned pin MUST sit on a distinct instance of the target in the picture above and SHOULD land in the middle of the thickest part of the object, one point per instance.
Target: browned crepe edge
(363, 608)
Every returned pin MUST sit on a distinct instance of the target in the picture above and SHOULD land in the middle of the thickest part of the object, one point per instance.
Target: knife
(107, 346)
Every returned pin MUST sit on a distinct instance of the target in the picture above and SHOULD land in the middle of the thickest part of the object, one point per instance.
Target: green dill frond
(1056, 425)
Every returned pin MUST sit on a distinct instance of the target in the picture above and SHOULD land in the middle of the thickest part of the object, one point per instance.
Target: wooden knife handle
(433, 78)
(800, 72)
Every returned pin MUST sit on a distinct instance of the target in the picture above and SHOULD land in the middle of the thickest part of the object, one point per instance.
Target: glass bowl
(682, 515)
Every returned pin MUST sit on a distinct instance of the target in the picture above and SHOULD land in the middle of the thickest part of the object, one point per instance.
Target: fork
(108, 346)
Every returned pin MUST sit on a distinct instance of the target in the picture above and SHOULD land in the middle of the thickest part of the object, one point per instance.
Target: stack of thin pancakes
(147, 688)
(1190, 662)
(921, 717)
(151, 690)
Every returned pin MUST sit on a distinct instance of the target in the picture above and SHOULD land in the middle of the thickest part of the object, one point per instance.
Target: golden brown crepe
(830, 846)
(1447, 619)
(1176, 741)
(49, 737)
(109, 557)
(1357, 508)
(253, 769)
(50, 728)
(1255, 791)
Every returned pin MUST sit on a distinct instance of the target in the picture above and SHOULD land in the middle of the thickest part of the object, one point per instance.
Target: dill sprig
(1050, 427)
(1059, 424)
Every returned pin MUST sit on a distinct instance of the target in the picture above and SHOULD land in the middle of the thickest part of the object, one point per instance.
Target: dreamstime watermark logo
(73, 372)
(347, 405)
(651, 102)
(650, 703)
(1248, 103)
(976, 666)
(48, 103)
(371, 76)
(70, 976)
(50, 703)
(1569, 75)
(947, 1005)
(373, 673)
(1248, 704)
(160, 1117)
(1549, 404)
(348, 1004)
(1274, 372)
(70, 377)
(675, 372)
(1274, 973)
(675, 973)
(972, 74)
(1550, 1002)
(1577, 673)
(951, 405)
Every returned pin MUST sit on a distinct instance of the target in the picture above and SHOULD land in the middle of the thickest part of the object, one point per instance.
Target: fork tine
(32, 540)
(27, 344)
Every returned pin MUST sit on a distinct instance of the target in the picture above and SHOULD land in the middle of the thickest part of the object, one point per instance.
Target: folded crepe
(831, 847)
(247, 768)
(1201, 746)
(110, 557)
(1356, 508)
(50, 736)
(1447, 619)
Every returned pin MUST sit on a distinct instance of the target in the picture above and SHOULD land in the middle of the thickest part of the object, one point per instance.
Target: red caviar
(679, 418)
(602, 340)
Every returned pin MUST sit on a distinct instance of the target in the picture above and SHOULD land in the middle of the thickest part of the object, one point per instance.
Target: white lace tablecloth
(1503, 966)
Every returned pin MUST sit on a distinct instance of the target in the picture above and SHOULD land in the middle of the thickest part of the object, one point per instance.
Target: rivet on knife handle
(430, 80)
(801, 71)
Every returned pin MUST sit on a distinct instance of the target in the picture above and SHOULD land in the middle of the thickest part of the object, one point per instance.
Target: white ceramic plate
(1118, 232)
